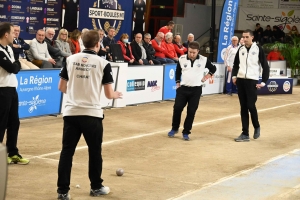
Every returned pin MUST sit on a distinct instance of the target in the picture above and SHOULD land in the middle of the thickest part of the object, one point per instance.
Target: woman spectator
(275, 55)
(179, 48)
(294, 31)
(170, 53)
(74, 41)
(62, 43)
(126, 50)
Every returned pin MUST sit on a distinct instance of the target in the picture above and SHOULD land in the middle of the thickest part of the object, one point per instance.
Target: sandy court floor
(157, 167)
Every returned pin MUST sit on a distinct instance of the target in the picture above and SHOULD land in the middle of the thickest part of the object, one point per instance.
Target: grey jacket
(64, 47)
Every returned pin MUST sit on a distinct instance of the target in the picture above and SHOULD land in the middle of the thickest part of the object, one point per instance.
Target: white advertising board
(265, 4)
(144, 84)
(290, 4)
(216, 84)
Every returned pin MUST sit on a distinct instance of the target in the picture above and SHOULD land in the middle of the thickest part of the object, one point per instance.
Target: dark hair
(257, 24)
(5, 28)
(75, 34)
(275, 27)
(170, 23)
(194, 45)
(268, 26)
(90, 39)
(248, 31)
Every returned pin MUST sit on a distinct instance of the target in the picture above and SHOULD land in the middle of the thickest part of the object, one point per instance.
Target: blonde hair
(61, 32)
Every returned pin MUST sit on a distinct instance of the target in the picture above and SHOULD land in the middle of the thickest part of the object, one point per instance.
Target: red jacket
(275, 55)
(126, 58)
(164, 30)
(180, 49)
(159, 50)
(170, 53)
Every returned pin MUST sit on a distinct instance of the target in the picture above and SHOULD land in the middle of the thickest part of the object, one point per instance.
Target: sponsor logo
(2, 16)
(135, 85)
(17, 17)
(84, 59)
(153, 85)
(15, 7)
(171, 73)
(223, 53)
(286, 86)
(33, 104)
(1, 6)
(272, 87)
(36, 8)
(52, 19)
(50, 9)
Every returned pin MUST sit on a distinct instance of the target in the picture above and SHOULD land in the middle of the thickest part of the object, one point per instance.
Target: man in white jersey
(82, 80)
(9, 114)
(190, 75)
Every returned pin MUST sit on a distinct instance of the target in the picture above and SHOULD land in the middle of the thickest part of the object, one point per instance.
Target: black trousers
(186, 95)
(248, 96)
(9, 118)
(92, 130)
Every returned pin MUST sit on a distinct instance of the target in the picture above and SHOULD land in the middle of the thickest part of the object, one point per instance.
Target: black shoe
(256, 133)
(64, 196)
(242, 138)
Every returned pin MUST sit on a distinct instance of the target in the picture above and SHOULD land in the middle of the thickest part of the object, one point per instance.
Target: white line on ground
(161, 131)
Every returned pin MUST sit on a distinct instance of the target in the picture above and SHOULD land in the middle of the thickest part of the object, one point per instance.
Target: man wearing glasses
(102, 50)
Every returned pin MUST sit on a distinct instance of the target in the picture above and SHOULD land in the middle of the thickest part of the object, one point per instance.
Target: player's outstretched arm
(110, 93)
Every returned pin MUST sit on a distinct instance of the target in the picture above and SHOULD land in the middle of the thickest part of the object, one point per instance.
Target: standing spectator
(19, 46)
(102, 50)
(275, 55)
(148, 46)
(167, 28)
(74, 41)
(160, 49)
(9, 115)
(278, 34)
(179, 48)
(108, 40)
(126, 50)
(39, 51)
(139, 12)
(170, 53)
(267, 35)
(190, 38)
(190, 69)
(228, 60)
(80, 40)
(83, 113)
(258, 32)
(245, 74)
(242, 41)
(61, 42)
(139, 51)
(71, 14)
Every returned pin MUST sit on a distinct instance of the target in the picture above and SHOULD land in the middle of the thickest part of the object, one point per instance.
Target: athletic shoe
(17, 159)
(186, 137)
(242, 138)
(172, 133)
(256, 133)
(9, 160)
(64, 196)
(102, 191)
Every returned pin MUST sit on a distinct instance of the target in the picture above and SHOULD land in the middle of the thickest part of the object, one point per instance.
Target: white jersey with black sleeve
(86, 73)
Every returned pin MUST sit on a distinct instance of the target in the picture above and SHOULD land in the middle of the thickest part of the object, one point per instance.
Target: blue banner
(38, 92)
(102, 14)
(277, 86)
(169, 85)
(227, 26)
(31, 15)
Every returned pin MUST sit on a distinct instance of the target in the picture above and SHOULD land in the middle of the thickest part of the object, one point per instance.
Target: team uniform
(228, 60)
(85, 74)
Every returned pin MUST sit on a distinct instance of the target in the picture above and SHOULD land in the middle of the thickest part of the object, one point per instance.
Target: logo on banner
(106, 13)
(272, 87)
(286, 86)
(171, 74)
(135, 85)
(33, 104)
(153, 85)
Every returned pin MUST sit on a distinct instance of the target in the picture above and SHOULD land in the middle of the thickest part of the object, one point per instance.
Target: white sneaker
(102, 191)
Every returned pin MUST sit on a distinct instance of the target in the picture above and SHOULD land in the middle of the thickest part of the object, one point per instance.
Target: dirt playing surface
(155, 166)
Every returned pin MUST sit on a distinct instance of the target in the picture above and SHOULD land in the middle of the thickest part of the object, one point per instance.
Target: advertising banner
(227, 26)
(31, 15)
(277, 86)
(285, 19)
(289, 4)
(215, 85)
(169, 89)
(144, 84)
(266, 4)
(38, 92)
(101, 14)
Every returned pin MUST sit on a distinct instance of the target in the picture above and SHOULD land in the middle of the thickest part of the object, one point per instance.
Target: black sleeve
(212, 68)
(134, 50)
(178, 73)
(236, 63)
(6, 64)
(107, 75)
(24, 45)
(64, 72)
(264, 65)
(105, 42)
(151, 50)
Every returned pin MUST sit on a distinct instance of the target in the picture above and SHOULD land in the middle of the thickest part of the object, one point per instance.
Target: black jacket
(137, 51)
(151, 51)
(18, 51)
(54, 51)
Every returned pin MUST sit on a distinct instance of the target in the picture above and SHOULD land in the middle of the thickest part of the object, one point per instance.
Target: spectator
(148, 46)
(160, 49)
(108, 40)
(278, 34)
(80, 40)
(170, 53)
(126, 50)
(179, 48)
(267, 35)
(242, 41)
(139, 51)
(39, 51)
(294, 31)
(258, 32)
(275, 55)
(102, 50)
(167, 28)
(73, 41)
(61, 42)
(19, 46)
(190, 38)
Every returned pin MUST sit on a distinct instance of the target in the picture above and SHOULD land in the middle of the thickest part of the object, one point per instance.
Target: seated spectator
(19, 46)
(170, 53)
(267, 35)
(39, 51)
(80, 40)
(275, 55)
(55, 53)
(74, 41)
(139, 51)
(179, 48)
(126, 49)
(167, 28)
(61, 42)
(278, 34)
(294, 31)
(258, 32)
(102, 50)
(160, 49)
(108, 40)
(148, 46)
(190, 38)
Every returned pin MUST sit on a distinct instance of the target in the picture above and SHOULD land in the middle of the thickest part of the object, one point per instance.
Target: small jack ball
(120, 172)
(77, 186)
